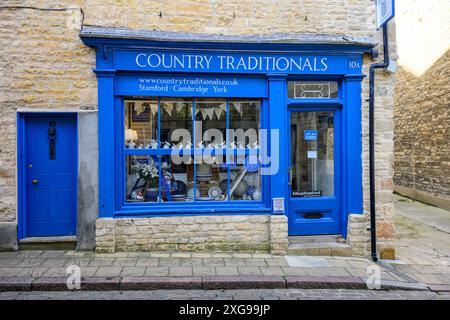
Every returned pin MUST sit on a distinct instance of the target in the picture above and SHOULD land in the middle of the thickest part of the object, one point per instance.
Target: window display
(192, 150)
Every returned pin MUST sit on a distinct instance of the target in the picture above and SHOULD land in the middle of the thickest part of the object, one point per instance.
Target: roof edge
(91, 31)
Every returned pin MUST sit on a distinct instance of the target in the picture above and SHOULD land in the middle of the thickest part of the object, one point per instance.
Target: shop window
(192, 150)
(312, 89)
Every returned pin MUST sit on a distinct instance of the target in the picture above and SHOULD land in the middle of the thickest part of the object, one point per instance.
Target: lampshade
(131, 134)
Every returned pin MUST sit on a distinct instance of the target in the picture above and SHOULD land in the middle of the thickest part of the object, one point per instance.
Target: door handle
(35, 181)
(291, 175)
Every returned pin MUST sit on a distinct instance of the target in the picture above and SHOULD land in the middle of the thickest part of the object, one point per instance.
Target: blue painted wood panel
(51, 182)
(330, 207)
(191, 86)
(231, 62)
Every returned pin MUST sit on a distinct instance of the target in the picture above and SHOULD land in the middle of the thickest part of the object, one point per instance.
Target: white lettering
(323, 62)
(208, 61)
(307, 63)
(286, 64)
(137, 59)
(255, 63)
(228, 62)
(149, 60)
(178, 61)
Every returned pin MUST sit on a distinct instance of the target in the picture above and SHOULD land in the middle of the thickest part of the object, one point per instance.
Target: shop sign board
(385, 12)
(249, 63)
(188, 86)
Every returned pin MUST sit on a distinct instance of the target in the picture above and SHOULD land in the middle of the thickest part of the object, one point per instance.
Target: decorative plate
(214, 192)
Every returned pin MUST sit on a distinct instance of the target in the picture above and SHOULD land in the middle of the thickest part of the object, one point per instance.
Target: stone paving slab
(153, 283)
(440, 287)
(205, 282)
(307, 282)
(15, 284)
(100, 283)
(244, 282)
(49, 269)
(422, 244)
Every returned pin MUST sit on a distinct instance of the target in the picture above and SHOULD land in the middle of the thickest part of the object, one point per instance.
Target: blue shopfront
(230, 126)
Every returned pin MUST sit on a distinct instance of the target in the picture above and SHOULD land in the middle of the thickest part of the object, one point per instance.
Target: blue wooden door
(51, 175)
(314, 172)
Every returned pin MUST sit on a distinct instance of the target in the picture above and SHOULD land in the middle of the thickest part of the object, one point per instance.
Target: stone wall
(422, 103)
(252, 233)
(44, 65)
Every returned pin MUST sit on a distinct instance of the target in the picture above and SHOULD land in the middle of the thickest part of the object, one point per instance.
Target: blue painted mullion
(158, 135)
(122, 175)
(193, 145)
(106, 146)
(227, 148)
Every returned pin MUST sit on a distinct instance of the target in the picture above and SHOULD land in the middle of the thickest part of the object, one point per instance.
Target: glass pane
(211, 182)
(312, 89)
(245, 175)
(142, 178)
(244, 123)
(178, 173)
(210, 133)
(312, 155)
(176, 123)
(141, 123)
(210, 123)
(245, 179)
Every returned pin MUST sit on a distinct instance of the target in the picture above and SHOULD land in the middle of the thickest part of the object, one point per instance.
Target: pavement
(422, 268)
(422, 243)
(50, 270)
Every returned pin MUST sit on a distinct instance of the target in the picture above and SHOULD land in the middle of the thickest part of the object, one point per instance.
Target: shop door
(314, 172)
(50, 175)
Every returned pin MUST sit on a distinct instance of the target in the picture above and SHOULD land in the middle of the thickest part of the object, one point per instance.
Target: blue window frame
(161, 204)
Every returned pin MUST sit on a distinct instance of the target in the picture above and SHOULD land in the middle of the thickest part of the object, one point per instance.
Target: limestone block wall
(251, 233)
(422, 102)
(44, 65)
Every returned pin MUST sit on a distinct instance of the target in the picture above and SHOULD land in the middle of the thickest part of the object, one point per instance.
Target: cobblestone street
(275, 294)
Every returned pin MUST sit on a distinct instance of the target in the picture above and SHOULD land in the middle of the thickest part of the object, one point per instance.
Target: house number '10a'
(353, 65)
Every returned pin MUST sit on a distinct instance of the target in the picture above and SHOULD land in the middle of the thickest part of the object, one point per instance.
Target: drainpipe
(383, 65)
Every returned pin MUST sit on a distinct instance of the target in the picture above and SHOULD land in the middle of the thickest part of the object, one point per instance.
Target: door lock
(35, 181)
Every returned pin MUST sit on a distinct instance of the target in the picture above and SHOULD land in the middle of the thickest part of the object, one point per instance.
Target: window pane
(178, 178)
(141, 123)
(176, 123)
(312, 156)
(312, 89)
(244, 123)
(245, 179)
(245, 176)
(210, 123)
(210, 131)
(142, 178)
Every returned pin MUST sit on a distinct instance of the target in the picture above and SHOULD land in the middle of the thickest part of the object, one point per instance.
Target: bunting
(238, 107)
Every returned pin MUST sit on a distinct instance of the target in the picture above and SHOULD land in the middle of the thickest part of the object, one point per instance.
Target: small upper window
(312, 89)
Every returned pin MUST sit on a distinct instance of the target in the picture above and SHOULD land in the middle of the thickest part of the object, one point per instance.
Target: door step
(48, 243)
(329, 238)
(328, 245)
